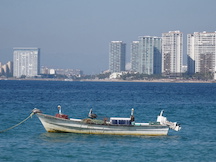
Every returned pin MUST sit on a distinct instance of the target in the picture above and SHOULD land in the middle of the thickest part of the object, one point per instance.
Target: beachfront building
(146, 55)
(149, 55)
(117, 54)
(201, 51)
(134, 56)
(172, 53)
(26, 62)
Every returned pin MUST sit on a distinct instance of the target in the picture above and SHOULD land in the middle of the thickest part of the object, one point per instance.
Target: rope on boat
(18, 123)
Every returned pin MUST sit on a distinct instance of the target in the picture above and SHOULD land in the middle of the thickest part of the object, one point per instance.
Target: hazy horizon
(76, 34)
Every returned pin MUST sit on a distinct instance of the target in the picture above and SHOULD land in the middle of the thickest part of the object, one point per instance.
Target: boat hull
(54, 124)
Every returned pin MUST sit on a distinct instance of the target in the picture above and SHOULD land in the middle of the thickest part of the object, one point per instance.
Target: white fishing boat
(113, 126)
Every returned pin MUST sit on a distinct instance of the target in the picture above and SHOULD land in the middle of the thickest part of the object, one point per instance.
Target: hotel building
(117, 54)
(172, 53)
(201, 51)
(134, 56)
(146, 55)
(26, 62)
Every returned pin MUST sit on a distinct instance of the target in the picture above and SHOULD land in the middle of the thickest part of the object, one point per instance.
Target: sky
(75, 34)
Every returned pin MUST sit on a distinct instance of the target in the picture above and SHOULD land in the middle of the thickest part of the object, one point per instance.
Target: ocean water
(191, 104)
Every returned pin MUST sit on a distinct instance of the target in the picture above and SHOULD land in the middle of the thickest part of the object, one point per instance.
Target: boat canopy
(120, 121)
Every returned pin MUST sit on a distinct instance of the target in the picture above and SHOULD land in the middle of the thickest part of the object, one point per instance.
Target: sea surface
(193, 105)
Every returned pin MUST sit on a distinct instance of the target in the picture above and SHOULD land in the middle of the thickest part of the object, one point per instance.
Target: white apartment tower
(26, 62)
(117, 54)
(201, 51)
(172, 52)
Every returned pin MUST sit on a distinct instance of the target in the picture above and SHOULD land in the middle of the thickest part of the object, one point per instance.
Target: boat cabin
(120, 121)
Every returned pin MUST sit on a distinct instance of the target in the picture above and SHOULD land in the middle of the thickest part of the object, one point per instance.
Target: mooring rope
(18, 123)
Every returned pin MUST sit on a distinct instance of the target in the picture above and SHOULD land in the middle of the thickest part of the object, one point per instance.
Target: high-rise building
(172, 52)
(117, 54)
(157, 55)
(26, 62)
(134, 56)
(149, 55)
(146, 55)
(201, 51)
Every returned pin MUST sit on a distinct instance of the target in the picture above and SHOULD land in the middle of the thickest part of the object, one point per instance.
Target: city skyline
(147, 57)
(150, 54)
(75, 34)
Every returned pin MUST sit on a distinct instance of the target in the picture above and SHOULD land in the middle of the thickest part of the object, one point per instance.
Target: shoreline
(115, 80)
(153, 81)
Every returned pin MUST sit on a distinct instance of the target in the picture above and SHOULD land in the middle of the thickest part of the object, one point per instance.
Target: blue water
(191, 104)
